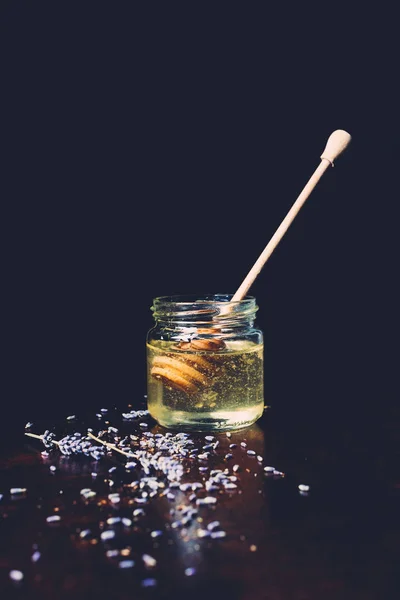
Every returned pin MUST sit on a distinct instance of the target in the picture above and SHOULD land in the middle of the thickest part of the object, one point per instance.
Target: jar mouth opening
(189, 299)
(203, 308)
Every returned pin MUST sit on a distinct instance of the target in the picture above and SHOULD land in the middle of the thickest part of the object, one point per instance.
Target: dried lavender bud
(149, 582)
(218, 534)
(201, 533)
(230, 486)
(53, 519)
(17, 491)
(126, 564)
(206, 500)
(156, 533)
(113, 520)
(48, 438)
(149, 561)
(304, 488)
(85, 533)
(213, 525)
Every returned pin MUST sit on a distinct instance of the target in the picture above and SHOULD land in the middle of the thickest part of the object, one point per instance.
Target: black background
(153, 149)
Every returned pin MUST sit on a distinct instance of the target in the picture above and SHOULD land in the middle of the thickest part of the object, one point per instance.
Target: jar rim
(189, 299)
(204, 308)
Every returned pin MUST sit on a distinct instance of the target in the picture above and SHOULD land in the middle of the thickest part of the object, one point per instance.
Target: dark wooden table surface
(340, 541)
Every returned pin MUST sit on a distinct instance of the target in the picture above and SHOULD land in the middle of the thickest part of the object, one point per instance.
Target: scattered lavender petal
(213, 525)
(113, 520)
(126, 564)
(114, 498)
(304, 488)
(184, 487)
(230, 486)
(149, 561)
(201, 533)
(206, 500)
(218, 534)
(278, 473)
(85, 533)
(196, 486)
(203, 456)
(16, 491)
(109, 534)
(150, 582)
(156, 533)
(53, 518)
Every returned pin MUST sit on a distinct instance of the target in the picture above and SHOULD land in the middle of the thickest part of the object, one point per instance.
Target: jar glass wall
(205, 363)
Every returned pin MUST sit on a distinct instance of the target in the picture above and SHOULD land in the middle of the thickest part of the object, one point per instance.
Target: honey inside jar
(210, 378)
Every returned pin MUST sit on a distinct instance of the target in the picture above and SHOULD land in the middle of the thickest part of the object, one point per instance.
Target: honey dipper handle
(337, 142)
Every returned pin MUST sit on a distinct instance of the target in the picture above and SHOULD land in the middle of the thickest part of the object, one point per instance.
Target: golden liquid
(226, 392)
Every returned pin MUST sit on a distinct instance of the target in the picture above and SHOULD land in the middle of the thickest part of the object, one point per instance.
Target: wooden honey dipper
(189, 372)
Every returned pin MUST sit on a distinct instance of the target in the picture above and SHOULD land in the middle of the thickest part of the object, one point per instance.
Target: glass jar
(205, 363)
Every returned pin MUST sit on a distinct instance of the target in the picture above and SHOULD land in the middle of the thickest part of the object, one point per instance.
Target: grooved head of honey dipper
(207, 345)
(203, 344)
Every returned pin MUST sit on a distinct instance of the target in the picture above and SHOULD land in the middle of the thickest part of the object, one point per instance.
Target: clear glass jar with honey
(205, 363)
